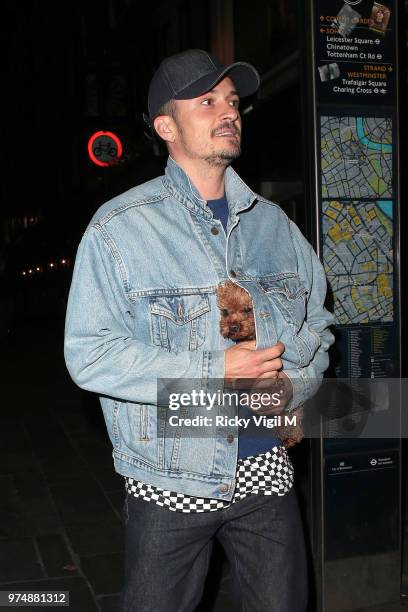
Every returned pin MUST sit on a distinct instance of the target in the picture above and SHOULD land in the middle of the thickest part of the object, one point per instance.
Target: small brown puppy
(237, 323)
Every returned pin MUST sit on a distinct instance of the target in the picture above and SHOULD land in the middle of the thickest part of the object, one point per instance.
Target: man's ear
(165, 128)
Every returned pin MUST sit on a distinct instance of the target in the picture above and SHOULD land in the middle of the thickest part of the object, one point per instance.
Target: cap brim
(245, 77)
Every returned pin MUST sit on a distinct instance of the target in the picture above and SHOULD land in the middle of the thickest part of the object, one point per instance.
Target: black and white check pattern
(270, 473)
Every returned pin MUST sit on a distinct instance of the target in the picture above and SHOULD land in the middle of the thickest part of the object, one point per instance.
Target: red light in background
(104, 148)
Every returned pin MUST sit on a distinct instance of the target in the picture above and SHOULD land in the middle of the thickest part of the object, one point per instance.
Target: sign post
(356, 193)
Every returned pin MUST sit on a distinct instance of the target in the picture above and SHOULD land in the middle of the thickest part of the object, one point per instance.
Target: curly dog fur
(238, 323)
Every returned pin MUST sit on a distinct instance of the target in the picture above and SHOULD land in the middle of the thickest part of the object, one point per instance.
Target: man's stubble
(216, 159)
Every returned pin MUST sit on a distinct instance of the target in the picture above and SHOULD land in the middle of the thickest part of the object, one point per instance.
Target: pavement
(61, 501)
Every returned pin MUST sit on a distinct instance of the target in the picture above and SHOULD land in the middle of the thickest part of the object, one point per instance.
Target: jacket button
(233, 273)
(214, 231)
(230, 438)
(224, 488)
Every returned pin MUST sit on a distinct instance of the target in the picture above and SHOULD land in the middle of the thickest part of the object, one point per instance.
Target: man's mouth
(227, 134)
(226, 131)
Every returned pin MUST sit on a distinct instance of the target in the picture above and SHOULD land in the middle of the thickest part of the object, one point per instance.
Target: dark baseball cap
(191, 73)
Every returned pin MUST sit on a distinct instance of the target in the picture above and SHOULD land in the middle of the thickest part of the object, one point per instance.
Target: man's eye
(224, 312)
(206, 102)
(235, 103)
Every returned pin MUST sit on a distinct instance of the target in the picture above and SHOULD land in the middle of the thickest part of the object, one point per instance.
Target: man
(142, 307)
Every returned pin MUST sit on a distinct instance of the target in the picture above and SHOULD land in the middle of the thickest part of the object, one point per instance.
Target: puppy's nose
(234, 328)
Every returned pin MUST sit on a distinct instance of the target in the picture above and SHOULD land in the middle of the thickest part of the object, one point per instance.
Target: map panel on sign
(356, 157)
(358, 259)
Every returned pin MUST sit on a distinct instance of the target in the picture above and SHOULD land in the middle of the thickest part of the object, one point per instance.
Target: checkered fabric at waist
(270, 473)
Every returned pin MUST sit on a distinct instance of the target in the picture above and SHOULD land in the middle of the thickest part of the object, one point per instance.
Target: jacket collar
(178, 183)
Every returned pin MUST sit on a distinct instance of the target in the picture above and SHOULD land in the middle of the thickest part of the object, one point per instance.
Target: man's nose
(229, 112)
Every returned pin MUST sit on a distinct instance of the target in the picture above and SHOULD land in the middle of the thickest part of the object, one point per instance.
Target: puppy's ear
(222, 293)
(247, 301)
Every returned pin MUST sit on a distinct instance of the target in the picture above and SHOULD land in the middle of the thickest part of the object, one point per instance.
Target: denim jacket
(142, 306)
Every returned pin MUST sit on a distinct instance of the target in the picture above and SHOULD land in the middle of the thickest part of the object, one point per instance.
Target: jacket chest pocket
(179, 322)
(288, 294)
(289, 297)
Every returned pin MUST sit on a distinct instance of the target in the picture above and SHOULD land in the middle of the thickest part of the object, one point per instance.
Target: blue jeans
(168, 554)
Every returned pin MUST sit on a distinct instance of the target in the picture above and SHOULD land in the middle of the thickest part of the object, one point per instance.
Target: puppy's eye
(247, 310)
(224, 312)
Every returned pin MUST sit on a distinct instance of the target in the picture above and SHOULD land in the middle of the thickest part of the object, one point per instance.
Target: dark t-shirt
(253, 440)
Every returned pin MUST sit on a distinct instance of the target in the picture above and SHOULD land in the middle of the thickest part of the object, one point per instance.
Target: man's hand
(244, 361)
(259, 371)
(280, 387)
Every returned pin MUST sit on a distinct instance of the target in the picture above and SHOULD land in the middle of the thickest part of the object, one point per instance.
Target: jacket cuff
(300, 388)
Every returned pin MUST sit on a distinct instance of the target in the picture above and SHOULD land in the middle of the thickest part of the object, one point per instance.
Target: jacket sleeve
(100, 351)
(306, 381)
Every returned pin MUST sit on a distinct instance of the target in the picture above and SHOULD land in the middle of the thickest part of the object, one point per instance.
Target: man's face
(209, 127)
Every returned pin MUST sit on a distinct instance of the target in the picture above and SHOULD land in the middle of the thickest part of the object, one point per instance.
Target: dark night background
(77, 68)
(69, 70)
